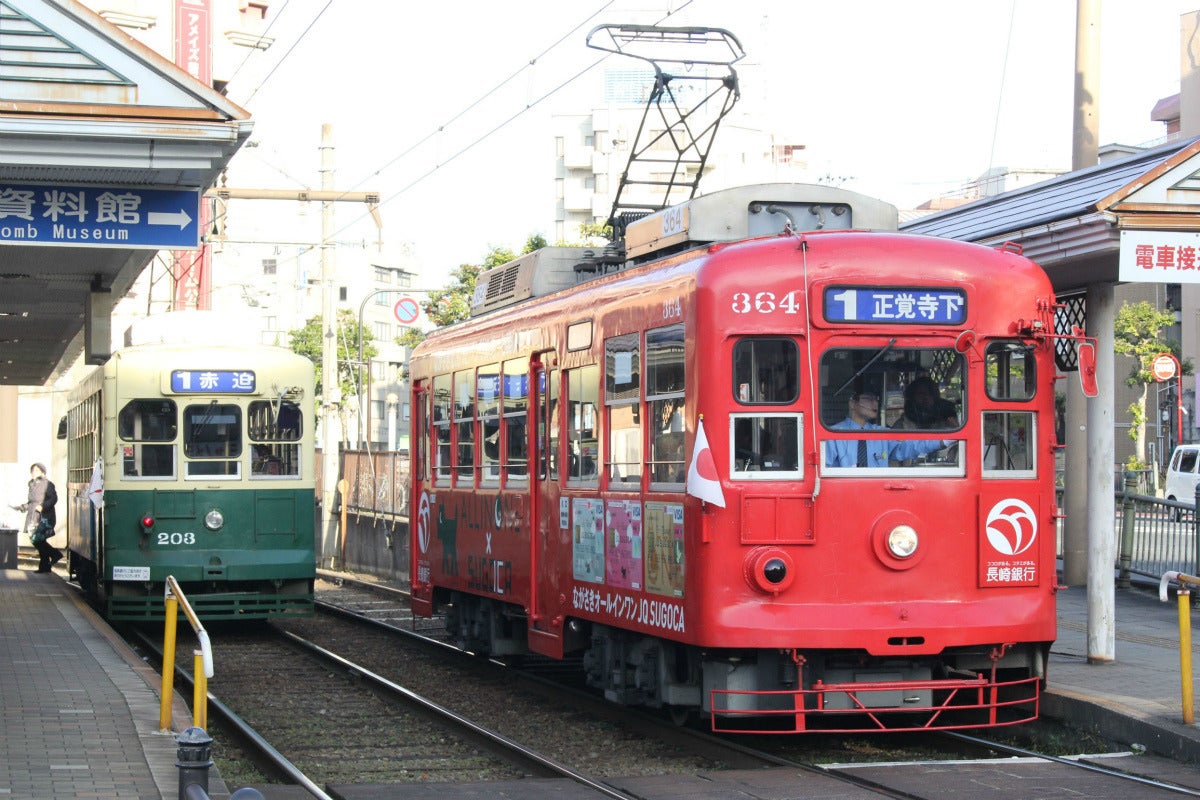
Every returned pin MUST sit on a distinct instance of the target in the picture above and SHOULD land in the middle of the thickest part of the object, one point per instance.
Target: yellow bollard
(200, 692)
(168, 673)
(1185, 656)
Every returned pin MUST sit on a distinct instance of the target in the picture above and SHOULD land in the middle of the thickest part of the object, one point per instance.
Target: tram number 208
(165, 538)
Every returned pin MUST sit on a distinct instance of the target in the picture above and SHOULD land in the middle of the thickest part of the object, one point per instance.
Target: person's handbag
(43, 532)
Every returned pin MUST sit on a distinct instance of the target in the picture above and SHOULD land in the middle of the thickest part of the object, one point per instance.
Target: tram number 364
(765, 303)
(165, 538)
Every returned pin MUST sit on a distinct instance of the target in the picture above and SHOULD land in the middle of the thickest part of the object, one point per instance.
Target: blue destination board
(896, 305)
(212, 381)
(99, 216)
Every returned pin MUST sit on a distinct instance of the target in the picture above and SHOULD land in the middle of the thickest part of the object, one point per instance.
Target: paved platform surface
(79, 709)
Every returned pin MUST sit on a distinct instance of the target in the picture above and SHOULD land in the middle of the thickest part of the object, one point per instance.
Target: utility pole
(330, 389)
(329, 552)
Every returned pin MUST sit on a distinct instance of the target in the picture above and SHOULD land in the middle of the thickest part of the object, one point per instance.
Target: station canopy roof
(106, 149)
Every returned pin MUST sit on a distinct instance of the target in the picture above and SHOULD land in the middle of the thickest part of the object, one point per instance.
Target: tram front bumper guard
(855, 708)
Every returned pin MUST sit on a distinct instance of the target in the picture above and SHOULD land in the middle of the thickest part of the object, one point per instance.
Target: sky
(445, 108)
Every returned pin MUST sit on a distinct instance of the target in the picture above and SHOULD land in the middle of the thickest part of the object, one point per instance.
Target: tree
(452, 303)
(308, 341)
(1136, 334)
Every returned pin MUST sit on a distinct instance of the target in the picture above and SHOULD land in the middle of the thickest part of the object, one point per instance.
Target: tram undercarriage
(781, 691)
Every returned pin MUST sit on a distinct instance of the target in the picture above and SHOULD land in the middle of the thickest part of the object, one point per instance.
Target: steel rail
(1073, 762)
(276, 759)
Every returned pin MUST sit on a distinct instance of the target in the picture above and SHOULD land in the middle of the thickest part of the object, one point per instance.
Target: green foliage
(452, 303)
(309, 341)
(1136, 333)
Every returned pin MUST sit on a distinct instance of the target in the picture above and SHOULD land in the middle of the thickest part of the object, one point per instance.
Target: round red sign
(1163, 367)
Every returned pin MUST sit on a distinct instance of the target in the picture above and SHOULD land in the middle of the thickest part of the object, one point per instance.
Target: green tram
(196, 462)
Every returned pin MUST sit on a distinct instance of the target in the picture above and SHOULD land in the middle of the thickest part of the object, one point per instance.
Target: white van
(1182, 473)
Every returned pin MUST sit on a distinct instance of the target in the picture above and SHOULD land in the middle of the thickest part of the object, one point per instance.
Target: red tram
(798, 480)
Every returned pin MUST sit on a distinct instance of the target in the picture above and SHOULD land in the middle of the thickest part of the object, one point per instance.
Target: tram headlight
(902, 541)
(213, 520)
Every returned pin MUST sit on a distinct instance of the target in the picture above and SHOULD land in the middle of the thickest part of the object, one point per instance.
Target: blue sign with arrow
(99, 216)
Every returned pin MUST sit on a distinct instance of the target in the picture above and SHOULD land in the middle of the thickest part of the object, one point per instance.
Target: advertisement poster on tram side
(663, 524)
(587, 539)
(623, 560)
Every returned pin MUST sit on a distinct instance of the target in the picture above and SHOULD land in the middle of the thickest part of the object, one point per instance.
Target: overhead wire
(278, 15)
(284, 58)
(480, 139)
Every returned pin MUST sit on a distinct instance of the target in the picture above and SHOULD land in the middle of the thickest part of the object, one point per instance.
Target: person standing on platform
(40, 518)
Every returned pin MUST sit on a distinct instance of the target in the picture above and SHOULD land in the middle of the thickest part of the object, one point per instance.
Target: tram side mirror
(62, 428)
(1087, 368)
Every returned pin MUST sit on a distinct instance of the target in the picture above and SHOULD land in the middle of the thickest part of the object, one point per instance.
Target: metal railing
(202, 663)
(1155, 535)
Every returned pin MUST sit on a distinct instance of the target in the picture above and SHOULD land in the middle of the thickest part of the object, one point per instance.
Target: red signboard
(193, 38)
(193, 52)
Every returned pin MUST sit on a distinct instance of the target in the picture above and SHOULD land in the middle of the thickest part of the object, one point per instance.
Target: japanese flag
(702, 480)
(96, 487)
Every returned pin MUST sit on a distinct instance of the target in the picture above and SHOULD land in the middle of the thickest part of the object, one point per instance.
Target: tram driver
(862, 413)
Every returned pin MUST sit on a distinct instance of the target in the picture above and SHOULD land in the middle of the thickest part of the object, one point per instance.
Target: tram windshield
(212, 439)
(907, 390)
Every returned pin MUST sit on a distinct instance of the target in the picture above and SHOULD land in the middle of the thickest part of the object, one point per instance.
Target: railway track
(465, 719)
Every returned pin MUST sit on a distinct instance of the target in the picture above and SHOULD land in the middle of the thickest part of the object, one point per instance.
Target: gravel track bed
(332, 727)
(485, 695)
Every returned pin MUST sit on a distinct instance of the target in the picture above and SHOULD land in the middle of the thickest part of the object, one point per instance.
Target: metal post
(329, 370)
(170, 621)
(1127, 519)
(1185, 657)
(194, 759)
(1196, 533)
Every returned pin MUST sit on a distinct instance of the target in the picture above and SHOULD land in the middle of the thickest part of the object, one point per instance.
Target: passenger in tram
(862, 412)
(925, 408)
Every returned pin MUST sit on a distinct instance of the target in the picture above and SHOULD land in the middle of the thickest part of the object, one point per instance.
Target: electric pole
(328, 550)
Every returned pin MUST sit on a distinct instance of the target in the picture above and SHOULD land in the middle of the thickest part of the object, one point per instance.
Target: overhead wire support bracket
(687, 62)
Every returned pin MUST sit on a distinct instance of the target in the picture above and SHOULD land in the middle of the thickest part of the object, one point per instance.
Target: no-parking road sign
(407, 311)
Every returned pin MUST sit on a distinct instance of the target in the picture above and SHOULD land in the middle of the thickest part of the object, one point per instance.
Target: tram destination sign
(892, 305)
(212, 381)
(99, 216)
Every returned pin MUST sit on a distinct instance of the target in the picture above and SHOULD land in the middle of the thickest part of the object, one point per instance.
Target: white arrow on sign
(169, 218)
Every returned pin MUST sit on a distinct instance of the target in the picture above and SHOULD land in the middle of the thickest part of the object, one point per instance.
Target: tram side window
(622, 395)
(212, 440)
(487, 404)
(516, 406)
(548, 443)
(140, 423)
(664, 395)
(1008, 444)
(464, 428)
(275, 427)
(443, 448)
(1010, 371)
(583, 397)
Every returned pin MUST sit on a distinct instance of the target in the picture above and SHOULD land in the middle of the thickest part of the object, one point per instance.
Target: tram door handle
(893, 486)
